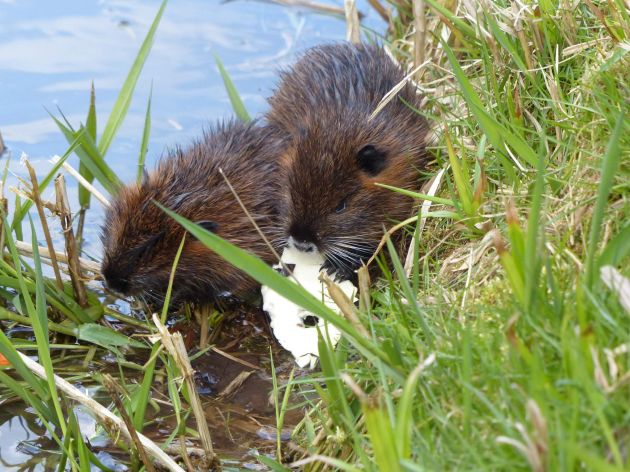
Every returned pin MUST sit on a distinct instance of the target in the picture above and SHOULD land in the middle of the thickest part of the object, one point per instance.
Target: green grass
(503, 349)
(507, 291)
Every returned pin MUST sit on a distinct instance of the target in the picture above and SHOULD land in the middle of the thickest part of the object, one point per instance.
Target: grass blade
(237, 104)
(39, 317)
(497, 134)
(22, 209)
(264, 274)
(144, 145)
(123, 101)
(461, 177)
(461, 25)
(404, 416)
(143, 396)
(617, 248)
(90, 126)
(381, 436)
(423, 196)
(90, 157)
(533, 243)
(610, 163)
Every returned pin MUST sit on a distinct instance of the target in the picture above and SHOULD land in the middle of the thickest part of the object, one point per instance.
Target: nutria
(337, 154)
(140, 241)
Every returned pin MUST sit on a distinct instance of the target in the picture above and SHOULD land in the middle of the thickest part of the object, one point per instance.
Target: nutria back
(140, 241)
(338, 154)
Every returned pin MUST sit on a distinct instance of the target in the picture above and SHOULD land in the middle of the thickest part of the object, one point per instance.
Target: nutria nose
(302, 237)
(115, 280)
(303, 246)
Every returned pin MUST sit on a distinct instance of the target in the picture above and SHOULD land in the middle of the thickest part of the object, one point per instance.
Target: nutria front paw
(339, 274)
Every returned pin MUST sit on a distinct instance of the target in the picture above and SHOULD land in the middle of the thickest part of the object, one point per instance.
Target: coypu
(140, 241)
(337, 154)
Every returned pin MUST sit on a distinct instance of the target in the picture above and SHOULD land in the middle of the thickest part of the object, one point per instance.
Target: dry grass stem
(388, 234)
(44, 222)
(602, 19)
(174, 345)
(63, 208)
(329, 461)
(27, 195)
(394, 91)
(87, 185)
(108, 420)
(176, 450)
(316, 6)
(353, 28)
(345, 304)
(364, 288)
(4, 211)
(203, 317)
(115, 392)
(520, 33)
(235, 384)
(249, 216)
(27, 250)
(381, 10)
(183, 451)
(354, 386)
(235, 359)
(2, 146)
(420, 36)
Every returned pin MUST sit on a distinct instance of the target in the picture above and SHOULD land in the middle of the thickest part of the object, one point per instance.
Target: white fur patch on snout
(288, 319)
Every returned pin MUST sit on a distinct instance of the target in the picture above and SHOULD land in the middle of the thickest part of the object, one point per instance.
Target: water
(50, 52)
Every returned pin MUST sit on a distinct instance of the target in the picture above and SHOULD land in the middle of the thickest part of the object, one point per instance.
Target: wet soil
(241, 416)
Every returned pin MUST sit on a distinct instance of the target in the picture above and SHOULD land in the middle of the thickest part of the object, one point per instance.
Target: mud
(241, 416)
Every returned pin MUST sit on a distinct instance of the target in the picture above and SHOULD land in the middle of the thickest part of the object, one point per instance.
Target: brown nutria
(140, 241)
(337, 154)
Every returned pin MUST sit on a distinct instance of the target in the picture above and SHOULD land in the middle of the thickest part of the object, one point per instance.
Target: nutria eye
(208, 225)
(341, 207)
(145, 248)
(371, 160)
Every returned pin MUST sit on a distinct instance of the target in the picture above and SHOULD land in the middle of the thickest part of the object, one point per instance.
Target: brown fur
(324, 103)
(140, 241)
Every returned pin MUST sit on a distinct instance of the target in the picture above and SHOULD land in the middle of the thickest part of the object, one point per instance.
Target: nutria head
(339, 151)
(140, 241)
(331, 201)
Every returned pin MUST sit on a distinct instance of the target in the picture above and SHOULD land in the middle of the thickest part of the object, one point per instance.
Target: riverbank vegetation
(500, 341)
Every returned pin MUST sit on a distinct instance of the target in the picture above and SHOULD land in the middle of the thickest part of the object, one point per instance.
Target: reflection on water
(26, 445)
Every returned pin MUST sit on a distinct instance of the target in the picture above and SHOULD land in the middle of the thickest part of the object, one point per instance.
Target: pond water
(50, 52)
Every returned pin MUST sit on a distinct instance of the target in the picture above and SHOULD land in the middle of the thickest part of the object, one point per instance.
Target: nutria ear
(208, 225)
(371, 160)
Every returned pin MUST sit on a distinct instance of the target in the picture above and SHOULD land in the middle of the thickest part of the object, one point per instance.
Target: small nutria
(338, 154)
(140, 241)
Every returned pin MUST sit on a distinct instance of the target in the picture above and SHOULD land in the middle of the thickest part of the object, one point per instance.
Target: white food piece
(287, 318)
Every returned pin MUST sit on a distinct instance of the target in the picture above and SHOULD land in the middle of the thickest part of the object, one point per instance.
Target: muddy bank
(233, 379)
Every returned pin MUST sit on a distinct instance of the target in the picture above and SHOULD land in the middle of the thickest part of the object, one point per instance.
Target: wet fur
(140, 241)
(324, 103)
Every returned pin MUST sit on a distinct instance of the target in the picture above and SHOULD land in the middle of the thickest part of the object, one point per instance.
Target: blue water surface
(50, 53)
